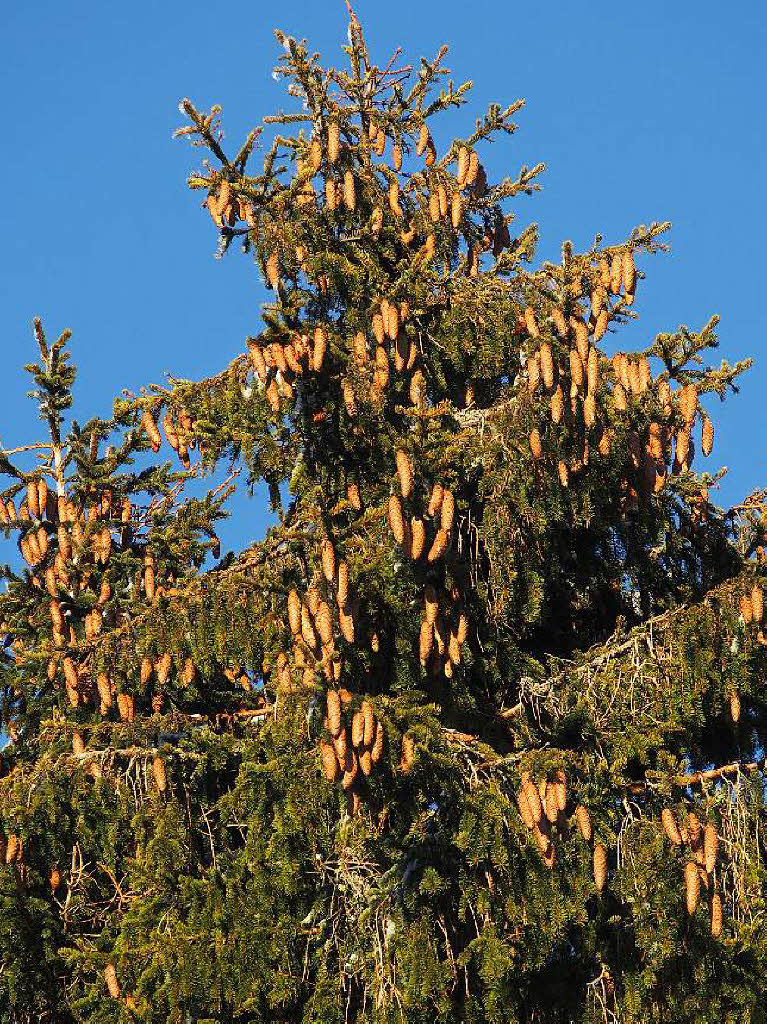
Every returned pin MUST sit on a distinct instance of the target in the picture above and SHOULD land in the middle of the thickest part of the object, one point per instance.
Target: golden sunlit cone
(333, 702)
(533, 800)
(616, 273)
(328, 557)
(110, 976)
(531, 325)
(627, 272)
(746, 608)
(152, 432)
(417, 538)
(349, 193)
(272, 269)
(534, 371)
(600, 867)
(564, 473)
(447, 510)
(473, 168)
(294, 612)
(589, 410)
(396, 521)
(691, 886)
(331, 194)
(592, 371)
(757, 603)
(324, 623)
(535, 443)
(320, 347)
(334, 142)
(688, 402)
(557, 405)
(576, 367)
(342, 593)
(462, 166)
(379, 737)
(547, 365)
(552, 806)
(707, 440)
(600, 326)
(710, 847)
(423, 140)
(670, 826)
(716, 915)
(160, 777)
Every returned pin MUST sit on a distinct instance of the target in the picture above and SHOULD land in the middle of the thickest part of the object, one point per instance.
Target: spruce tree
(476, 732)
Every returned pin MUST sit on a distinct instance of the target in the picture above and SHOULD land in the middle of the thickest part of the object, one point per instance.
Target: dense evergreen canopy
(476, 732)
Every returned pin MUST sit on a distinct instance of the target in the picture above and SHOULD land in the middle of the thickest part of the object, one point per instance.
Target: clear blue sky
(640, 111)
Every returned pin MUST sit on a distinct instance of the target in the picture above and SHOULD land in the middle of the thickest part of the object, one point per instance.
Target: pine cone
(379, 738)
(447, 510)
(691, 886)
(463, 166)
(616, 274)
(334, 142)
(716, 915)
(688, 402)
(746, 608)
(349, 195)
(438, 547)
(149, 425)
(408, 754)
(404, 473)
(417, 538)
(552, 805)
(396, 522)
(547, 365)
(557, 405)
(110, 976)
(346, 623)
(425, 641)
(324, 623)
(294, 612)
(533, 800)
(423, 140)
(584, 822)
(342, 593)
(435, 501)
(535, 443)
(333, 703)
(532, 327)
(600, 866)
(589, 410)
(707, 439)
(431, 604)
(564, 473)
(600, 325)
(160, 777)
(560, 787)
(628, 273)
(710, 847)
(735, 706)
(670, 826)
(329, 761)
(757, 603)
(320, 347)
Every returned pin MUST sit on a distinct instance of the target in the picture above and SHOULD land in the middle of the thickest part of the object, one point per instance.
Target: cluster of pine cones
(703, 842)
(542, 809)
(352, 746)
(180, 432)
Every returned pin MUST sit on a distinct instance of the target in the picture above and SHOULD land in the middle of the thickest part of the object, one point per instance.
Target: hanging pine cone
(149, 425)
(423, 140)
(435, 501)
(670, 826)
(563, 472)
(334, 142)
(113, 985)
(560, 788)
(333, 703)
(716, 915)
(707, 439)
(691, 886)
(396, 522)
(320, 347)
(349, 194)
(104, 688)
(324, 622)
(346, 624)
(533, 800)
(462, 166)
(688, 402)
(342, 591)
(584, 822)
(757, 603)
(329, 761)
(576, 367)
(628, 273)
(447, 510)
(600, 866)
(557, 405)
(531, 324)
(547, 365)
(294, 612)
(735, 706)
(425, 641)
(408, 754)
(560, 324)
(552, 806)
(417, 538)
(160, 777)
(535, 443)
(404, 473)
(533, 372)
(746, 608)
(438, 547)
(616, 274)
(431, 604)
(710, 847)
(376, 751)
(600, 325)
